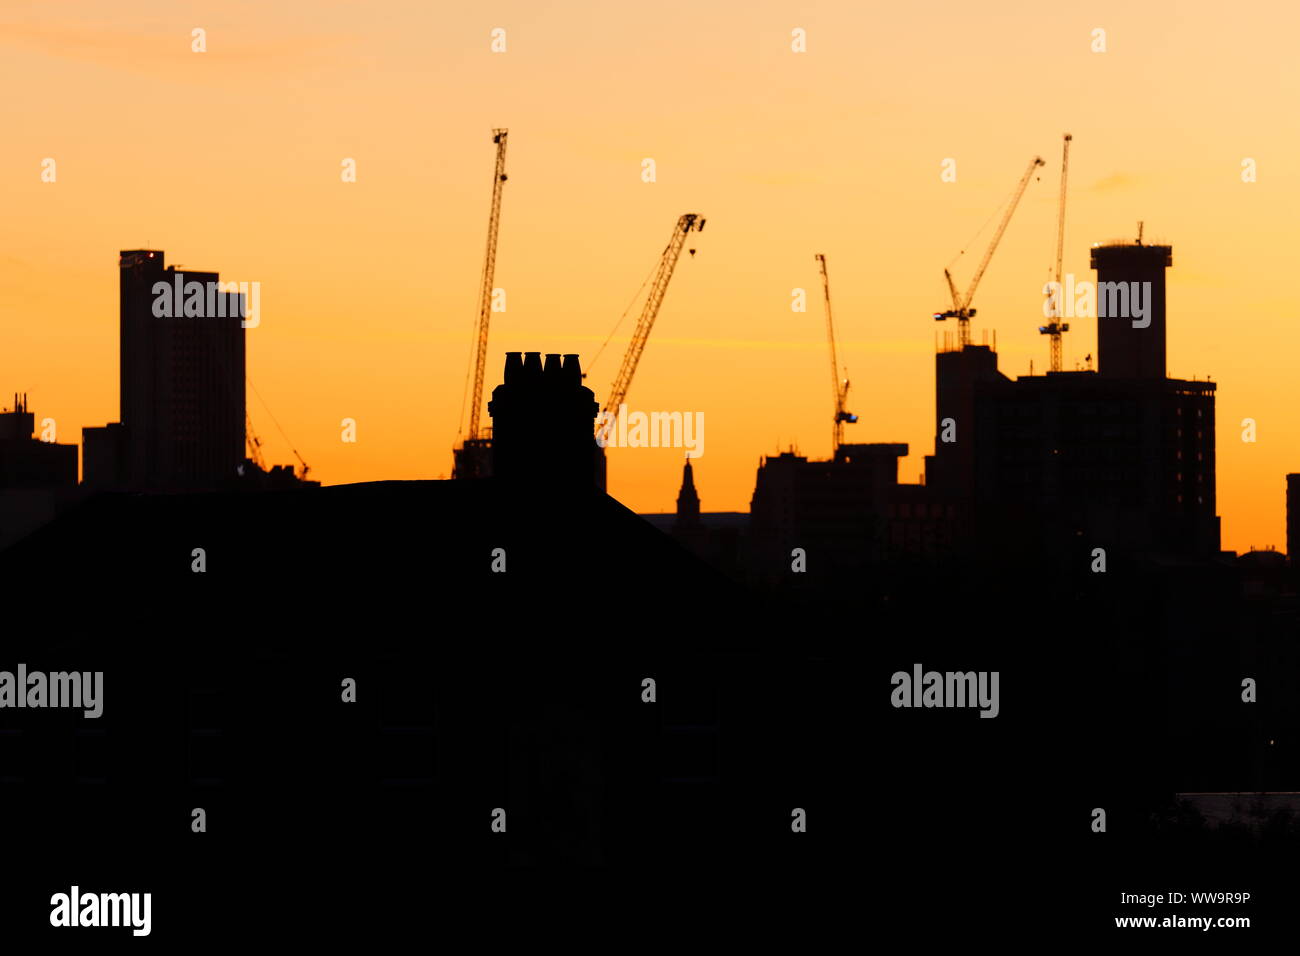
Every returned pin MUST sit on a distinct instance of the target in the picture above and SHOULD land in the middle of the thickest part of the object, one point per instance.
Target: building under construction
(1119, 457)
(1122, 455)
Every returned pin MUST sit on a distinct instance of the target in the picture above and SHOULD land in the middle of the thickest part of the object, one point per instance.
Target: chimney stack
(543, 423)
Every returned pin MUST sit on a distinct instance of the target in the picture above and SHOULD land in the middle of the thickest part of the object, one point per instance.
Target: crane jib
(654, 300)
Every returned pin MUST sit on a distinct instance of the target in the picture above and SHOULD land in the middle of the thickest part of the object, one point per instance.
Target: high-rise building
(1107, 461)
(1123, 456)
(182, 381)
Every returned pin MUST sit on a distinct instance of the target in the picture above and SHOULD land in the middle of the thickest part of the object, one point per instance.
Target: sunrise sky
(230, 161)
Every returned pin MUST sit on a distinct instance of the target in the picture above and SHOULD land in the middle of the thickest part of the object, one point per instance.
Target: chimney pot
(532, 367)
(572, 370)
(552, 371)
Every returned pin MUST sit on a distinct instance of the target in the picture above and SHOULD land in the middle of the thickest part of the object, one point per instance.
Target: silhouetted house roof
(476, 689)
(409, 558)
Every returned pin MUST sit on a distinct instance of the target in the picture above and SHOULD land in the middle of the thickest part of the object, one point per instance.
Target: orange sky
(229, 160)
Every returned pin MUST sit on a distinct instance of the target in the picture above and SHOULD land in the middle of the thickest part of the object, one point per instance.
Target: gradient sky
(229, 161)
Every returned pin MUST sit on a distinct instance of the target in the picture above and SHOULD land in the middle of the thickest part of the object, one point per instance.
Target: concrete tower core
(1131, 289)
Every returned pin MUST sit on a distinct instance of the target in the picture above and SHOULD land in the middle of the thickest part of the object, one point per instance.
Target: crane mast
(961, 310)
(839, 389)
(1055, 327)
(485, 295)
(690, 222)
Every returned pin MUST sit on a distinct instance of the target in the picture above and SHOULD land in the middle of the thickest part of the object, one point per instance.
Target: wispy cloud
(153, 47)
(1113, 183)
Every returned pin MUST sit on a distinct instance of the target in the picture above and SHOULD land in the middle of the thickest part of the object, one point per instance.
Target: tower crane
(254, 443)
(471, 459)
(1055, 327)
(686, 224)
(961, 310)
(839, 389)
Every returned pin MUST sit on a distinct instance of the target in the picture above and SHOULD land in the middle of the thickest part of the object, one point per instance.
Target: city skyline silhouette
(367, 532)
(376, 282)
(141, 301)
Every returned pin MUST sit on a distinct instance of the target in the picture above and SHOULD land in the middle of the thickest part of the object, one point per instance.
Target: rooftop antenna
(1141, 225)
